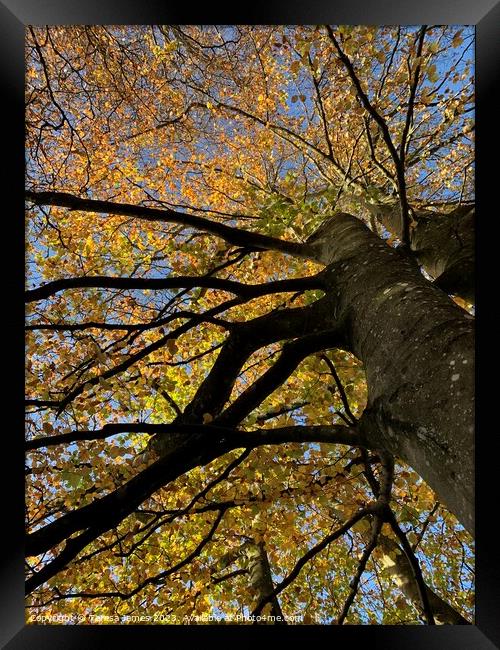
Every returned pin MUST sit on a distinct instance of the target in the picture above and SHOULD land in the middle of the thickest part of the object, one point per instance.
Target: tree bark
(396, 565)
(417, 348)
(261, 582)
(443, 243)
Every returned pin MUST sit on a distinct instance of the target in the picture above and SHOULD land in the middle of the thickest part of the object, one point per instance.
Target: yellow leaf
(114, 452)
(432, 73)
(207, 418)
(267, 609)
(400, 602)
(457, 39)
(105, 384)
(362, 526)
(172, 346)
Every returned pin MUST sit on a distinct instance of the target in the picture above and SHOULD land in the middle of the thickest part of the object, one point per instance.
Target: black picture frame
(14, 15)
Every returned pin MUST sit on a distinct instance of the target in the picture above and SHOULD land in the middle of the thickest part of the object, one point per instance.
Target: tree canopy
(218, 219)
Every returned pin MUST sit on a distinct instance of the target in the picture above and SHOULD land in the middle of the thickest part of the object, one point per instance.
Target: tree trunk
(417, 348)
(261, 582)
(396, 565)
(443, 244)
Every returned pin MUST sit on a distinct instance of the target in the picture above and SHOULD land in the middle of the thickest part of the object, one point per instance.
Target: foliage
(257, 128)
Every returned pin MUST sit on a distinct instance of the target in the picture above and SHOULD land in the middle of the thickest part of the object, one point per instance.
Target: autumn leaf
(216, 226)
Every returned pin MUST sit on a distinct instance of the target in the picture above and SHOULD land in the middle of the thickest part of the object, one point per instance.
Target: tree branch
(412, 559)
(376, 528)
(340, 387)
(411, 100)
(54, 567)
(186, 282)
(236, 236)
(400, 173)
(132, 359)
(374, 508)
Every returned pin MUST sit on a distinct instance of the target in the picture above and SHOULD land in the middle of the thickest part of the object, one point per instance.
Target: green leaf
(73, 479)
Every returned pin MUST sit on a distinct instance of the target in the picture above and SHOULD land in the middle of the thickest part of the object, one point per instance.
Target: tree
(250, 323)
